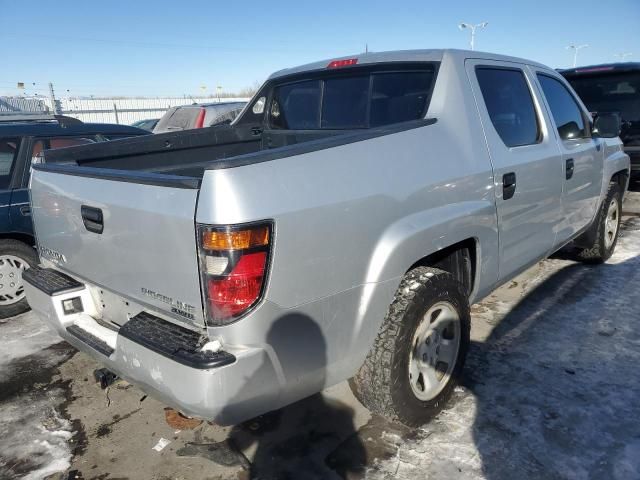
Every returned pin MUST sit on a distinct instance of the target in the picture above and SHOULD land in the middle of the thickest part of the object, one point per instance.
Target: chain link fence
(104, 110)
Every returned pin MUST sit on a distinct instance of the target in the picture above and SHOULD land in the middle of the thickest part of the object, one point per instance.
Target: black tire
(27, 255)
(598, 251)
(382, 384)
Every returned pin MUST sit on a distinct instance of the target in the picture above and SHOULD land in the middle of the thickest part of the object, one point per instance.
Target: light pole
(623, 55)
(575, 49)
(472, 27)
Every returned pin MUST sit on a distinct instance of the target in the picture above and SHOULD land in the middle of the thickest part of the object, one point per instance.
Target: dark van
(613, 88)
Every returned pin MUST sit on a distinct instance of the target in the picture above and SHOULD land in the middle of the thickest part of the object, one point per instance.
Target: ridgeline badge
(178, 307)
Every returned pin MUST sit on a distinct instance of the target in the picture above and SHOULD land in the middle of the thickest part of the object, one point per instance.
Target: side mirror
(607, 124)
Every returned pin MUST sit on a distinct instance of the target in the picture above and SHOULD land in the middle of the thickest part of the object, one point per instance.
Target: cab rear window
(351, 101)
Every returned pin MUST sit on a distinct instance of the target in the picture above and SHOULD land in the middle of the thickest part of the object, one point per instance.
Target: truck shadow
(556, 383)
(295, 441)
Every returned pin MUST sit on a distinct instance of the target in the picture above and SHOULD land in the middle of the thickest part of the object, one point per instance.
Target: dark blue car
(22, 139)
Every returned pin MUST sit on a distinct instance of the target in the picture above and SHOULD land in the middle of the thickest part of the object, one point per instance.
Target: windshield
(611, 93)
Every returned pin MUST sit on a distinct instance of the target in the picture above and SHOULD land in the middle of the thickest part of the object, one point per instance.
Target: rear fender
(412, 238)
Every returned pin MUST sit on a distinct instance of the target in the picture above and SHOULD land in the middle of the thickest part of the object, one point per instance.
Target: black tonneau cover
(190, 153)
(149, 144)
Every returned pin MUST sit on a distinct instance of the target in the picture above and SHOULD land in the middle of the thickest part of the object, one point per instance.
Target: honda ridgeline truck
(338, 229)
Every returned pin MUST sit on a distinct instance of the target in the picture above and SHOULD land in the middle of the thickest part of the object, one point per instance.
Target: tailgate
(146, 249)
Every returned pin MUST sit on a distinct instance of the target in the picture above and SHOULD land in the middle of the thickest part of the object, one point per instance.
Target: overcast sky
(156, 48)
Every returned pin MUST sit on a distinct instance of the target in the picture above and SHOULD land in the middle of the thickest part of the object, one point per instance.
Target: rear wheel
(607, 228)
(418, 355)
(15, 257)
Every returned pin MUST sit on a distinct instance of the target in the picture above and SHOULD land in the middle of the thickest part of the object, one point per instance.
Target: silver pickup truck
(338, 229)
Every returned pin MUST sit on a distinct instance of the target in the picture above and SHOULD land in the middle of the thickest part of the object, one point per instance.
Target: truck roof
(432, 55)
(601, 69)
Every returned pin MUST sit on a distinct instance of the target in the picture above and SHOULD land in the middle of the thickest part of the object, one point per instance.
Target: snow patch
(33, 433)
(22, 336)
(89, 325)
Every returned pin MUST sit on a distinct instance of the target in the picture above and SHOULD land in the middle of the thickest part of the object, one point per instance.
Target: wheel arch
(459, 259)
(20, 237)
(439, 237)
(621, 177)
(460, 238)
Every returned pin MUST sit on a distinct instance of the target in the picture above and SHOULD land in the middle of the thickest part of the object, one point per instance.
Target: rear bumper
(211, 386)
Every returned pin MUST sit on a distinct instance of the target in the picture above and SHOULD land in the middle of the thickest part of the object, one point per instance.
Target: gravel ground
(551, 390)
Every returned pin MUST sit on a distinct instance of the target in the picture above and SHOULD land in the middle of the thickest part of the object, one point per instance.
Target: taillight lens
(233, 269)
(200, 118)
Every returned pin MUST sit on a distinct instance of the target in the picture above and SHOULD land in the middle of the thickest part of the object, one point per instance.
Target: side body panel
(5, 211)
(20, 212)
(581, 191)
(529, 220)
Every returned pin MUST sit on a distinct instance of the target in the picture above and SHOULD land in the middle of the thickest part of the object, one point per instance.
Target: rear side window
(296, 106)
(352, 101)
(57, 142)
(224, 113)
(564, 108)
(180, 118)
(399, 97)
(510, 106)
(8, 152)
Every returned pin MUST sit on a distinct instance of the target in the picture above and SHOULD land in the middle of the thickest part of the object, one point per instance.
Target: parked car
(613, 87)
(148, 124)
(343, 225)
(24, 137)
(187, 117)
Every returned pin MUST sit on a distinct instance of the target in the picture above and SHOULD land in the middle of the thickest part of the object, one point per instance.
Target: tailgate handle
(92, 218)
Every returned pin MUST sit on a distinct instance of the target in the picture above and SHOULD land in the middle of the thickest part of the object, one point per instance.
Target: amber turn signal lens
(236, 240)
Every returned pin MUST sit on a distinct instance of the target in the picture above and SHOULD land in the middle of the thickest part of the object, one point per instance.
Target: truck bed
(190, 153)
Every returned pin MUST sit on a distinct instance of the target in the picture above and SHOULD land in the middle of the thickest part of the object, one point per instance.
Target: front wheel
(418, 355)
(15, 257)
(607, 228)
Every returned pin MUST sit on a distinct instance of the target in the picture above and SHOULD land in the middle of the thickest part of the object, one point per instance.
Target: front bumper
(159, 356)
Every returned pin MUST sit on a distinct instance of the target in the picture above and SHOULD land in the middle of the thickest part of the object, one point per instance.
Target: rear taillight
(200, 118)
(233, 269)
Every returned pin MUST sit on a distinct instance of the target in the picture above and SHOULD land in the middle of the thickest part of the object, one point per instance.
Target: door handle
(569, 168)
(508, 185)
(92, 219)
(255, 131)
(25, 210)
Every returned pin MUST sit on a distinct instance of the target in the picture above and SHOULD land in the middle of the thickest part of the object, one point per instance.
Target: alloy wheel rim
(11, 286)
(434, 351)
(611, 223)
